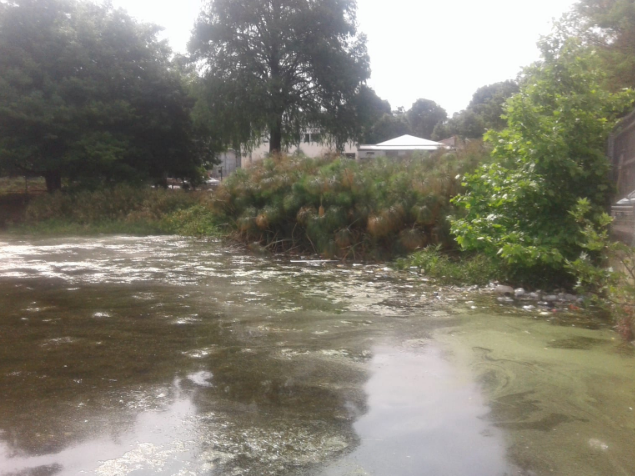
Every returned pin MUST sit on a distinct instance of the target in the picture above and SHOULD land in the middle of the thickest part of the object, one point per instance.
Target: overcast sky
(441, 50)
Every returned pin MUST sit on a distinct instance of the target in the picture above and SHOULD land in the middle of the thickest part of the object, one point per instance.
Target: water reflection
(159, 442)
(160, 355)
(423, 418)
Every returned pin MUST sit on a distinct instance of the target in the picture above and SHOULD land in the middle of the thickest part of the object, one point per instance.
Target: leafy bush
(551, 155)
(463, 269)
(609, 282)
(338, 207)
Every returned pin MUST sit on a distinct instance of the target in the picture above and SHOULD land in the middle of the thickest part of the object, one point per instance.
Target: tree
(483, 113)
(355, 120)
(274, 67)
(423, 116)
(388, 127)
(551, 156)
(488, 102)
(87, 93)
(609, 27)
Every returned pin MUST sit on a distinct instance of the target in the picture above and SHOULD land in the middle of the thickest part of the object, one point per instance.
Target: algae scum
(158, 355)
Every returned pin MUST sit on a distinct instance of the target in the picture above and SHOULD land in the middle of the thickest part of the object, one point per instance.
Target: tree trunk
(275, 137)
(53, 181)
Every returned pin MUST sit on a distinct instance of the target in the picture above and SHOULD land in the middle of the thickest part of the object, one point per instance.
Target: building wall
(310, 149)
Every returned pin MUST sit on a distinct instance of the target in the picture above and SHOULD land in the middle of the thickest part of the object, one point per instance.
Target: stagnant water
(161, 355)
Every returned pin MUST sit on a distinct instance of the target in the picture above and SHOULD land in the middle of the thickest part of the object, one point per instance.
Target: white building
(399, 147)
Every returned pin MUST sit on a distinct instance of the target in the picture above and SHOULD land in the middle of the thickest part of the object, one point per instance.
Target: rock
(505, 290)
(529, 307)
(518, 293)
(504, 299)
(531, 296)
(543, 304)
(550, 298)
(569, 297)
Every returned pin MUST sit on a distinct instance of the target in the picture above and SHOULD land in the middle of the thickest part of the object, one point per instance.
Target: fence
(622, 155)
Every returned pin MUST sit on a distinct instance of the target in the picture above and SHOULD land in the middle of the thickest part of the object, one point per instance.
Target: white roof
(409, 141)
(406, 142)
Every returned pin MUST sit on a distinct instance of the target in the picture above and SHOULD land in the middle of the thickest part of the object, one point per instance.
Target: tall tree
(355, 120)
(276, 66)
(483, 113)
(423, 116)
(87, 93)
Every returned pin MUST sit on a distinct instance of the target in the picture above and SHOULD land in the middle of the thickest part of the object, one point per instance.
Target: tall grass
(121, 209)
(341, 208)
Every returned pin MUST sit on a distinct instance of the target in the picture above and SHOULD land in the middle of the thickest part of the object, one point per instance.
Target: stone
(531, 296)
(518, 293)
(502, 289)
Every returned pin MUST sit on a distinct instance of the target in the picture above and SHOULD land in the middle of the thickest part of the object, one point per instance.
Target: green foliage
(608, 26)
(420, 120)
(484, 113)
(122, 209)
(387, 127)
(277, 67)
(88, 94)
(550, 156)
(368, 108)
(342, 208)
(423, 116)
(197, 220)
(465, 269)
(609, 281)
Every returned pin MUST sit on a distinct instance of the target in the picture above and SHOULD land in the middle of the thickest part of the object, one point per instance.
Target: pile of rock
(542, 299)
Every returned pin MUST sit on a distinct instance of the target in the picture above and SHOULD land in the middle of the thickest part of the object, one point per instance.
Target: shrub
(551, 155)
(338, 207)
(462, 269)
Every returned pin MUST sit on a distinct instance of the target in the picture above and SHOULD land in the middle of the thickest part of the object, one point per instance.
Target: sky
(442, 50)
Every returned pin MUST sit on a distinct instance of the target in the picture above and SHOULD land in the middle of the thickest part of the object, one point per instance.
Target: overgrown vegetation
(459, 269)
(122, 209)
(551, 155)
(346, 209)
(610, 280)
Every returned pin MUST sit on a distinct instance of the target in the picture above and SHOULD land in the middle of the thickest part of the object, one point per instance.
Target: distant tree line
(90, 96)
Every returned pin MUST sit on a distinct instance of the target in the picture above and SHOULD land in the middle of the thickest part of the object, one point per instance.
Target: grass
(463, 269)
(120, 209)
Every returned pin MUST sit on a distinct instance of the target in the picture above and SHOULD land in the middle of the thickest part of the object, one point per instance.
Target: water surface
(161, 355)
